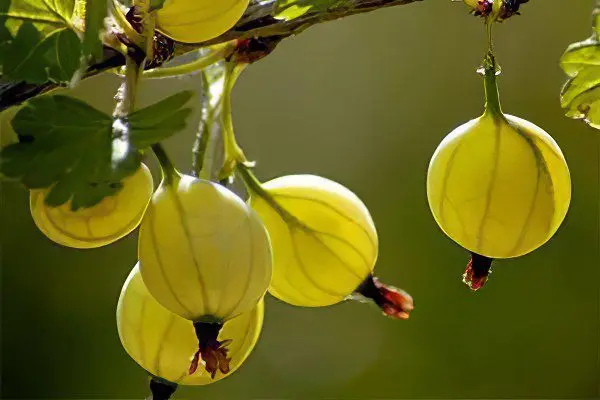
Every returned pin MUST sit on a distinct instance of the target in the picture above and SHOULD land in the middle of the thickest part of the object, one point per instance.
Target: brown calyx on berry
(394, 302)
(483, 8)
(510, 8)
(210, 349)
(478, 270)
(163, 48)
(250, 50)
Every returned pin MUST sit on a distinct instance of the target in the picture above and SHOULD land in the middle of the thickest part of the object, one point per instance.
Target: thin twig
(258, 21)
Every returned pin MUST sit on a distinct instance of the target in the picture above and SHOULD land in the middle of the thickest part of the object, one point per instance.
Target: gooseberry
(324, 243)
(498, 185)
(108, 221)
(204, 254)
(165, 344)
(193, 21)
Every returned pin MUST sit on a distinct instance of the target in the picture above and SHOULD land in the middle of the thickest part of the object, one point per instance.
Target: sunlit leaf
(80, 152)
(580, 96)
(95, 12)
(292, 9)
(41, 40)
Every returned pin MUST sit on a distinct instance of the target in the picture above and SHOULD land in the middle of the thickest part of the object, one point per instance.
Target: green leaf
(158, 121)
(580, 96)
(82, 153)
(95, 12)
(580, 56)
(588, 78)
(292, 9)
(586, 107)
(41, 40)
(45, 15)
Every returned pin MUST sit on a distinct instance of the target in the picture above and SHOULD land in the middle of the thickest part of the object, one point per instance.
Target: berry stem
(218, 53)
(170, 174)
(203, 133)
(255, 188)
(161, 389)
(139, 48)
(395, 303)
(492, 96)
(233, 152)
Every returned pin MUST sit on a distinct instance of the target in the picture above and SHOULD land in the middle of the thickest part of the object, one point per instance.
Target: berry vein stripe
(226, 286)
(542, 171)
(242, 296)
(94, 239)
(490, 190)
(315, 234)
(329, 206)
(299, 292)
(303, 266)
(161, 266)
(186, 231)
(137, 332)
(456, 211)
(161, 343)
(444, 196)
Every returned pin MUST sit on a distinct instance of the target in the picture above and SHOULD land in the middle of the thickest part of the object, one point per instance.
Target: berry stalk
(161, 389)
(170, 174)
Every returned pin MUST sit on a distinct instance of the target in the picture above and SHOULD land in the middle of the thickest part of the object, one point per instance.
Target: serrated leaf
(586, 79)
(41, 40)
(153, 123)
(7, 133)
(76, 149)
(586, 107)
(581, 55)
(580, 96)
(95, 12)
(45, 15)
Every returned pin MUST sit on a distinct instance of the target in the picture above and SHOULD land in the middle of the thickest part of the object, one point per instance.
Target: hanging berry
(165, 345)
(204, 255)
(498, 185)
(324, 243)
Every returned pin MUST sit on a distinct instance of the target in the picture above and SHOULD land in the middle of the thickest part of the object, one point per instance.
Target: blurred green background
(364, 101)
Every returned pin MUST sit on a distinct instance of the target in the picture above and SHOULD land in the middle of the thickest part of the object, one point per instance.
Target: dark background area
(363, 101)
